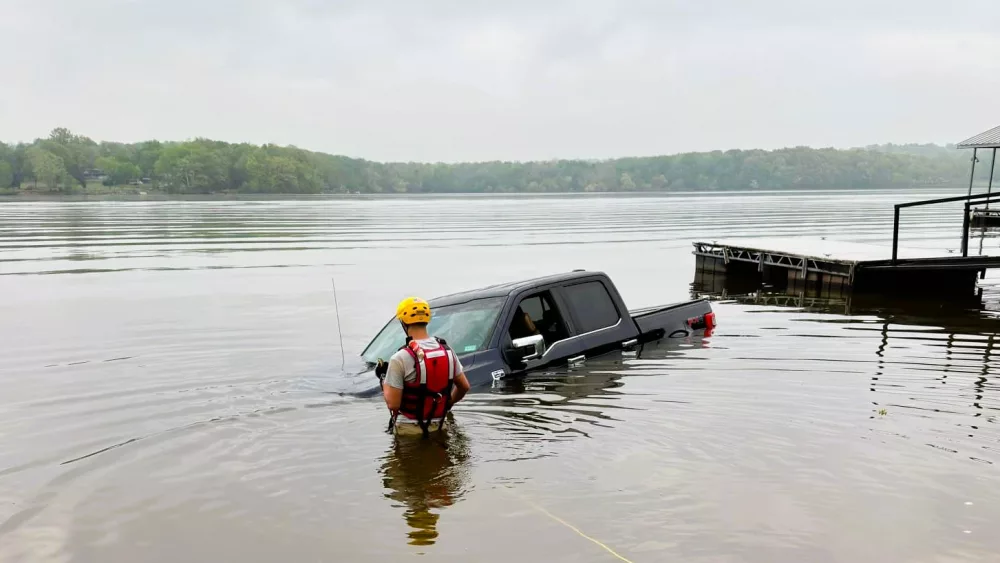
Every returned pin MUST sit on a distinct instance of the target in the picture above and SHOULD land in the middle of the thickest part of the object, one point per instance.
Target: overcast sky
(502, 79)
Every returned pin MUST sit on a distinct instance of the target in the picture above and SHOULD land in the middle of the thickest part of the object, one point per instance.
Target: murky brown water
(170, 377)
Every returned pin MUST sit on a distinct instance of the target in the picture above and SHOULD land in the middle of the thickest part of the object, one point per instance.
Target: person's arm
(460, 388)
(393, 397)
(530, 324)
(392, 387)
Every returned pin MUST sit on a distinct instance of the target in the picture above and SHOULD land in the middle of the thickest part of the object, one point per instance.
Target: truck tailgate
(670, 318)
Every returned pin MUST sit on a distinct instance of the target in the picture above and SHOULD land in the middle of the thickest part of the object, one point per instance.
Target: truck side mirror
(526, 349)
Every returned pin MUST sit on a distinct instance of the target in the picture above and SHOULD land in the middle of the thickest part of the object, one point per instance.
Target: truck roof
(507, 288)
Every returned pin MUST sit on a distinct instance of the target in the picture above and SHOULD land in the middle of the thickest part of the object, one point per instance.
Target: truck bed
(666, 320)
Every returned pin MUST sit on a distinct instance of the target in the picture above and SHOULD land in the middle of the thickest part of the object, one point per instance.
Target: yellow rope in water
(572, 527)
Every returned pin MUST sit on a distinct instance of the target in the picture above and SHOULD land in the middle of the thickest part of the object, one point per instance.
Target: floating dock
(837, 268)
(833, 265)
(986, 218)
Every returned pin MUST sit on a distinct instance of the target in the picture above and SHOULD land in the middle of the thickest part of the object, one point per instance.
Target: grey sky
(517, 79)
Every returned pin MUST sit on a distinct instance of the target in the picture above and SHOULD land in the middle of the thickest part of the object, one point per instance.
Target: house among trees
(95, 174)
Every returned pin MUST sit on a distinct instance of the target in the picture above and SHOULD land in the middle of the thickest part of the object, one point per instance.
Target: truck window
(536, 314)
(592, 306)
(466, 327)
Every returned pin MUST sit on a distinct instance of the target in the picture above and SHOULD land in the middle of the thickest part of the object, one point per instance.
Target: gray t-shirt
(402, 367)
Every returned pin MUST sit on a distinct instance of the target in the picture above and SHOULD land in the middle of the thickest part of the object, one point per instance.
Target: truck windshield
(466, 327)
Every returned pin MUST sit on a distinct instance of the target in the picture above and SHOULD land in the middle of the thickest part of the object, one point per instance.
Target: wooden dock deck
(802, 260)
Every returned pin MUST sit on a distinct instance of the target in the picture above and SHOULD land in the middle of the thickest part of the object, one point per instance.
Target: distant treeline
(68, 163)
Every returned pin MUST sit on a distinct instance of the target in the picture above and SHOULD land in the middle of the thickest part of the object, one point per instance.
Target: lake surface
(171, 390)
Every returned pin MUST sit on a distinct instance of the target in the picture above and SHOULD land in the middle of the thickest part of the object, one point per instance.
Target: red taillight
(706, 321)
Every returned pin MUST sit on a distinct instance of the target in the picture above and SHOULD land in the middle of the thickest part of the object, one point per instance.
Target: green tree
(192, 167)
(48, 169)
(146, 156)
(267, 173)
(203, 166)
(7, 162)
(6, 175)
(76, 152)
(118, 172)
(627, 183)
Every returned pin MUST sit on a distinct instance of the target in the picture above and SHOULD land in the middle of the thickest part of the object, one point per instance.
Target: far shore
(147, 193)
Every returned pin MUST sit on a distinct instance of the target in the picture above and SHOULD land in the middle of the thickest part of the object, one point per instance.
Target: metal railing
(969, 201)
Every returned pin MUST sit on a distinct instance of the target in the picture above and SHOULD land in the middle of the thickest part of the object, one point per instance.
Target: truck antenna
(340, 333)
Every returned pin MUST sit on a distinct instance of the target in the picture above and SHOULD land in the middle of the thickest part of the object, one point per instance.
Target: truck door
(598, 325)
(577, 321)
(538, 313)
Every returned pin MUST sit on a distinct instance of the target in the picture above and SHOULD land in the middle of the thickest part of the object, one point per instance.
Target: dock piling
(965, 229)
(895, 234)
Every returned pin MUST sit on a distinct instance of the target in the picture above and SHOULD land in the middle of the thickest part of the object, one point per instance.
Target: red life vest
(428, 396)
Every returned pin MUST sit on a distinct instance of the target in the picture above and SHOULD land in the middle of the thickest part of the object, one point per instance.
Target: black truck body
(577, 315)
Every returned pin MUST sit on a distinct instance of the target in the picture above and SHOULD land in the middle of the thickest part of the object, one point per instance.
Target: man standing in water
(424, 379)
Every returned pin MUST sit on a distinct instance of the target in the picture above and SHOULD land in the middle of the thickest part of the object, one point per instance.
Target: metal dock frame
(762, 258)
(966, 217)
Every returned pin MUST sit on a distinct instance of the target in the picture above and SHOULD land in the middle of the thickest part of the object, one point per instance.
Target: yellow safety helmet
(413, 310)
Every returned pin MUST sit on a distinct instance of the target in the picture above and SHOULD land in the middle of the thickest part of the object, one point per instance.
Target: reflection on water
(425, 476)
(840, 299)
(172, 390)
(555, 405)
(934, 357)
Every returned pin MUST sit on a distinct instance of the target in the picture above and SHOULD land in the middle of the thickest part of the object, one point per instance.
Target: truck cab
(514, 328)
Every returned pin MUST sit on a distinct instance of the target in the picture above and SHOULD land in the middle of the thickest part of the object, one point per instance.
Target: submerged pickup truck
(510, 329)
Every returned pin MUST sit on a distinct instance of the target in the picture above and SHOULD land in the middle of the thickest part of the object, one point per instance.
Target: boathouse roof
(987, 140)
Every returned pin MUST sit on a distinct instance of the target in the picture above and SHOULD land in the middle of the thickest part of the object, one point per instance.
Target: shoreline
(155, 195)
